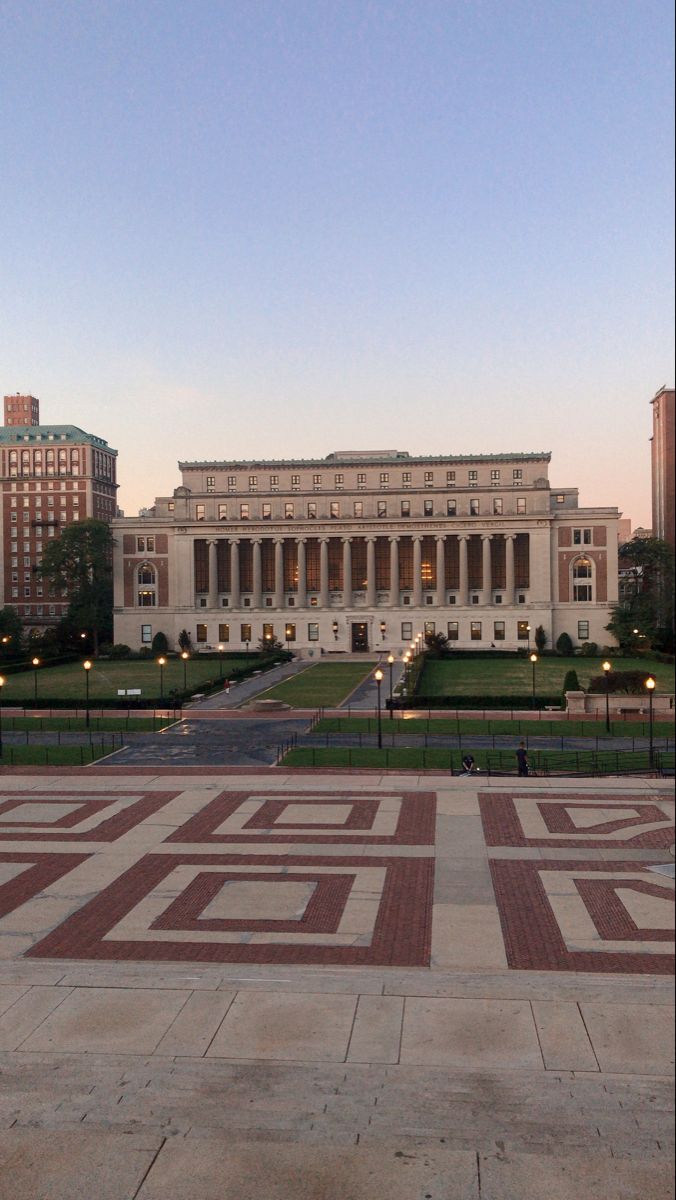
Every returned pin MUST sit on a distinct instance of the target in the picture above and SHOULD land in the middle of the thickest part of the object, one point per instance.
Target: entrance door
(360, 637)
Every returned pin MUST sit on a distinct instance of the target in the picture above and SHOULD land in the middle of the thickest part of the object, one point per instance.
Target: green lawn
(324, 684)
(67, 681)
(78, 724)
(486, 677)
(51, 756)
(417, 758)
(443, 726)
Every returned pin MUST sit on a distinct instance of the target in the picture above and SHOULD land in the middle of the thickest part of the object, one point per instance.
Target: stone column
(394, 572)
(486, 580)
(417, 571)
(347, 573)
(257, 598)
(509, 567)
(279, 573)
(212, 600)
(301, 595)
(441, 570)
(324, 598)
(235, 594)
(370, 572)
(463, 588)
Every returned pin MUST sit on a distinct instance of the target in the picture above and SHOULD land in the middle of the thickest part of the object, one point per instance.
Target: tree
(437, 644)
(160, 643)
(80, 564)
(184, 640)
(645, 615)
(541, 638)
(564, 644)
(11, 632)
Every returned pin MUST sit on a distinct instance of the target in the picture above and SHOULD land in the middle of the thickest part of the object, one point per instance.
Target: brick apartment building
(51, 476)
(360, 551)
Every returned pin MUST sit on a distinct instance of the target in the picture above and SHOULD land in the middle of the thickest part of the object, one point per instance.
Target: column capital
(417, 537)
(347, 541)
(487, 537)
(440, 537)
(394, 537)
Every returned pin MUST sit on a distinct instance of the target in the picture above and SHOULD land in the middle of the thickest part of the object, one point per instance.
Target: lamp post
(185, 656)
(36, 664)
(650, 685)
(287, 635)
(533, 659)
(161, 662)
(528, 632)
(607, 668)
(2, 684)
(379, 679)
(390, 661)
(221, 648)
(87, 668)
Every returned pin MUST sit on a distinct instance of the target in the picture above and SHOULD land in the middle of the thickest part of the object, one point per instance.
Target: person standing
(522, 759)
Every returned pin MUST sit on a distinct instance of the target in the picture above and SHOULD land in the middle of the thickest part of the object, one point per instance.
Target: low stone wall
(619, 704)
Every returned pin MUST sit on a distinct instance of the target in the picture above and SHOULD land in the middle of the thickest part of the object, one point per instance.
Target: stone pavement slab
(575, 1177)
(65, 1165)
(108, 1020)
(479, 1034)
(629, 1037)
(275, 1025)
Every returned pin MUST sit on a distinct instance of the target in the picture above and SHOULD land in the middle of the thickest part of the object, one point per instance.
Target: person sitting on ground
(522, 759)
(467, 764)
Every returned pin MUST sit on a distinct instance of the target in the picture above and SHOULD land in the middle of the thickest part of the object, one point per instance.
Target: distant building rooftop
(15, 434)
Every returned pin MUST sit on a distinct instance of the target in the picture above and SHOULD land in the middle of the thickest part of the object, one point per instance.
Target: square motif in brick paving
(406, 818)
(333, 911)
(72, 817)
(22, 876)
(584, 916)
(545, 819)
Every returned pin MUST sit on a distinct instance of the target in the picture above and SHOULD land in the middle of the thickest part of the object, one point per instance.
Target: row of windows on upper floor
(384, 508)
(235, 483)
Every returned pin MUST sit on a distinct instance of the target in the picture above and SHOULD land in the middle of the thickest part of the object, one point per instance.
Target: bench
(638, 712)
(198, 696)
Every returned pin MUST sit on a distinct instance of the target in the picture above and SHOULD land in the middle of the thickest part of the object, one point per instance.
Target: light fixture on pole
(533, 659)
(36, 664)
(185, 656)
(390, 661)
(220, 659)
(87, 668)
(2, 684)
(379, 679)
(528, 632)
(650, 685)
(607, 668)
(161, 662)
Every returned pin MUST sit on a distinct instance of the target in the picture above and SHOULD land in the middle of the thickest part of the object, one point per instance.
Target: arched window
(146, 574)
(146, 577)
(583, 579)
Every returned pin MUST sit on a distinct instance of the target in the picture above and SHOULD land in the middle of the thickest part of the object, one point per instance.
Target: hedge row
(479, 702)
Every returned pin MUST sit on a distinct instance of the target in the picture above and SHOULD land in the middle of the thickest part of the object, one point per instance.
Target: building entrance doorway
(360, 637)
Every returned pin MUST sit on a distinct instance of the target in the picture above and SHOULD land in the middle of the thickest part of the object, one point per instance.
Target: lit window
(312, 510)
(475, 631)
(266, 511)
(222, 512)
(201, 633)
(474, 508)
(245, 633)
(497, 506)
(244, 512)
(288, 512)
(199, 512)
(334, 509)
(358, 508)
(224, 633)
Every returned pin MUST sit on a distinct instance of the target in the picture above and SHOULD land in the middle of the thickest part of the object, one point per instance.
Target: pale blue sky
(263, 229)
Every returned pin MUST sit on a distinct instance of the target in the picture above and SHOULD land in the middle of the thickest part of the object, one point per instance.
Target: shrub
(630, 682)
(160, 643)
(184, 640)
(541, 638)
(120, 650)
(564, 645)
(589, 649)
(571, 682)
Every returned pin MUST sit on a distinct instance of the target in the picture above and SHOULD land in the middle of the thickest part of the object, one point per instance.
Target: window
(146, 574)
(406, 478)
(171, 506)
(253, 483)
(232, 483)
(312, 510)
(429, 478)
(582, 537)
(224, 633)
(473, 476)
(222, 512)
(583, 631)
(274, 482)
(428, 508)
(495, 476)
(244, 512)
(361, 479)
(430, 628)
(201, 633)
(268, 633)
(521, 504)
(146, 634)
(451, 508)
(450, 477)
(475, 631)
(146, 598)
(498, 631)
(523, 631)
(517, 473)
(582, 580)
(358, 508)
(382, 508)
(497, 506)
(498, 599)
(316, 481)
(406, 508)
(452, 631)
(245, 633)
(266, 511)
(289, 633)
(474, 599)
(295, 483)
(384, 478)
(199, 512)
(560, 499)
(313, 632)
(211, 483)
(338, 480)
(334, 509)
(474, 508)
(288, 512)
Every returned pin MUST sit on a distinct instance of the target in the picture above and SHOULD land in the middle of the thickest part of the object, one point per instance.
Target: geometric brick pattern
(73, 817)
(257, 909)
(334, 817)
(568, 821)
(584, 916)
(22, 876)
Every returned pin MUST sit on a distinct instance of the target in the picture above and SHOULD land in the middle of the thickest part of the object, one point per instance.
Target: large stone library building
(361, 551)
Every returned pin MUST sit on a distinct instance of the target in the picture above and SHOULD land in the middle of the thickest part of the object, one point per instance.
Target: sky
(255, 229)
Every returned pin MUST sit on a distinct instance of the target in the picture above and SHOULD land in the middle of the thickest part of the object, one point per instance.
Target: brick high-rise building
(662, 452)
(50, 476)
(22, 410)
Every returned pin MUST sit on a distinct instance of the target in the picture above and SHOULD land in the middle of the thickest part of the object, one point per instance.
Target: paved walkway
(322, 986)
